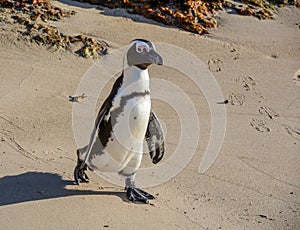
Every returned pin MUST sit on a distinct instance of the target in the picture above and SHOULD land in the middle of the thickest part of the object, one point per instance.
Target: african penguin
(124, 122)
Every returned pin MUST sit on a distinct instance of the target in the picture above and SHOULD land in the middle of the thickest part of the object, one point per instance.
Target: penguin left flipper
(155, 138)
(136, 194)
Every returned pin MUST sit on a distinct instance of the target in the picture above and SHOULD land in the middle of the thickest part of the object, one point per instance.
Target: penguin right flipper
(155, 138)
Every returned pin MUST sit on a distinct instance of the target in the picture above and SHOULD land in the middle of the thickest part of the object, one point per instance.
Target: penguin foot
(136, 194)
(80, 175)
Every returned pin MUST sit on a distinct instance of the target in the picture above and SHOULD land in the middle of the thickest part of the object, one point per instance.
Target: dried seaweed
(33, 15)
(196, 16)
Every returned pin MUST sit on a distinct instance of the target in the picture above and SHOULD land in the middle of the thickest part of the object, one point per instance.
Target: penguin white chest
(138, 111)
(135, 100)
(132, 123)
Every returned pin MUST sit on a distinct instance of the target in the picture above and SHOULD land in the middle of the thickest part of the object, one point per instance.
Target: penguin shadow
(34, 186)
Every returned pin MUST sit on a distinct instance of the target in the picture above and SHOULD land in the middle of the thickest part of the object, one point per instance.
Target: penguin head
(142, 54)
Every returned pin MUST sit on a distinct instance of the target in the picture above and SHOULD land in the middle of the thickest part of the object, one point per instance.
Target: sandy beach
(253, 184)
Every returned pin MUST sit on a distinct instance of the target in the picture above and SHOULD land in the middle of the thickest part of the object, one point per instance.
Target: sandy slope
(254, 184)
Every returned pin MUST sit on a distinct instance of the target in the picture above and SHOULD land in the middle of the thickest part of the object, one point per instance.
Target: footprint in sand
(268, 112)
(236, 99)
(248, 82)
(233, 51)
(292, 131)
(259, 125)
(214, 65)
(296, 77)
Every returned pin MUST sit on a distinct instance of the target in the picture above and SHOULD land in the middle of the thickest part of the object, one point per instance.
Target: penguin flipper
(155, 138)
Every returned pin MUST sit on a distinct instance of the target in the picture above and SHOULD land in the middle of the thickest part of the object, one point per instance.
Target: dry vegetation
(197, 16)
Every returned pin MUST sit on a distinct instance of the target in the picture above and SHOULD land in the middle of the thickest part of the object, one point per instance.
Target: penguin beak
(155, 58)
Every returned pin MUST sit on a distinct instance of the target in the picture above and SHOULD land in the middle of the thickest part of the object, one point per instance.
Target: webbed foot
(80, 175)
(136, 194)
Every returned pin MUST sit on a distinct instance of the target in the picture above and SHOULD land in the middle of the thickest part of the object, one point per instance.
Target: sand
(253, 184)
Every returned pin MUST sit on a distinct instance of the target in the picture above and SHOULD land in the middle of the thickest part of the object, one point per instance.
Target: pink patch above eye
(141, 47)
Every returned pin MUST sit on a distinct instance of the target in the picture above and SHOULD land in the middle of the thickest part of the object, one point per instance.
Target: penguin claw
(80, 175)
(136, 194)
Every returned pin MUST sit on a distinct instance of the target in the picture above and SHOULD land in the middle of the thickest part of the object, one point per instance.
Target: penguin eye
(141, 48)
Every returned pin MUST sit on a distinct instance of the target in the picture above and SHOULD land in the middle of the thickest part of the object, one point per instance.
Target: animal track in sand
(247, 82)
(214, 65)
(296, 77)
(259, 125)
(231, 48)
(294, 132)
(268, 112)
(236, 99)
